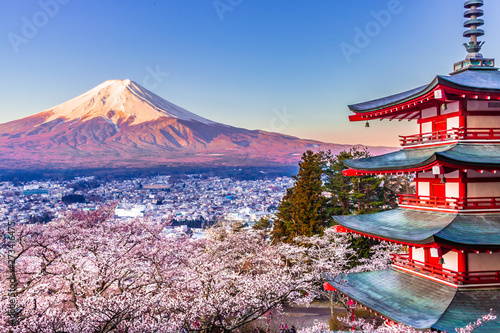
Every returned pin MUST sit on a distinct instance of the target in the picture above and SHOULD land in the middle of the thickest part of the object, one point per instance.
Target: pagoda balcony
(457, 278)
(457, 204)
(451, 135)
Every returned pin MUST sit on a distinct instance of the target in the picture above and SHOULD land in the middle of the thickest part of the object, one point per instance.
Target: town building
(450, 275)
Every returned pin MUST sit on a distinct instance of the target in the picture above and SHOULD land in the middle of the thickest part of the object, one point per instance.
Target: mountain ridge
(119, 124)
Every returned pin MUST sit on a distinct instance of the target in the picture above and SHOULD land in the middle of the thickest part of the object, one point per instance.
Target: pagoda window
(424, 189)
(482, 106)
(451, 261)
(483, 190)
(483, 122)
(452, 123)
(418, 254)
(452, 190)
(429, 113)
(483, 262)
(451, 108)
(426, 127)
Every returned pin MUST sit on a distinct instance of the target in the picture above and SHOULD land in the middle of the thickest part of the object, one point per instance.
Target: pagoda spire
(474, 59)
(473, 14)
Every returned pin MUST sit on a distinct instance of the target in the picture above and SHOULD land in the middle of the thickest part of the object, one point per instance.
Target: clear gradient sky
(259, 64)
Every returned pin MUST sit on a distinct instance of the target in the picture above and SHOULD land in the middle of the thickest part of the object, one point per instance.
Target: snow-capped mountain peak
(118, 101)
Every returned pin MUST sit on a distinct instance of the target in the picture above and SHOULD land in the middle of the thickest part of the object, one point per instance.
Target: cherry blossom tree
(87, 272)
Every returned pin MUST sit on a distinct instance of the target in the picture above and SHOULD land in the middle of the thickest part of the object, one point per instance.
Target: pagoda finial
(473, 13)
(474, 59)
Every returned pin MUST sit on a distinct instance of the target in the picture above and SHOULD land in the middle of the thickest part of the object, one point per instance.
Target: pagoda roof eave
(459, 155)
(419, 302)
(393, 100)
(419, 227)
(470, 81)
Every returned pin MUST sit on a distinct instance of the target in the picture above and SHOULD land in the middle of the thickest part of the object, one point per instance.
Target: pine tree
(339, 186)
(302, 210)
(358, 195)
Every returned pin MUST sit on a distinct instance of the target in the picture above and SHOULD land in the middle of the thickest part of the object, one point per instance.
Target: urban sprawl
(186, 200)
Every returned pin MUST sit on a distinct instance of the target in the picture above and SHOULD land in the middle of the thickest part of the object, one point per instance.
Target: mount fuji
(119, 124)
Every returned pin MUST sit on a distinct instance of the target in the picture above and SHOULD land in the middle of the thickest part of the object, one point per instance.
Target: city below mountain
(119, 124)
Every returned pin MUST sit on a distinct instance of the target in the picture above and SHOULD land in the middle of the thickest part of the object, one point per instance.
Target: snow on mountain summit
(120, 100)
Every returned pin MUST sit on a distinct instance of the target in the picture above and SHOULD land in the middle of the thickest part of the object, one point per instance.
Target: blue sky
(275, 65)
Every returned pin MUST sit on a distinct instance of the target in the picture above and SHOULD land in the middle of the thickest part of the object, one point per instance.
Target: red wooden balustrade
(449, 203)
(458, 278)
(452, 134)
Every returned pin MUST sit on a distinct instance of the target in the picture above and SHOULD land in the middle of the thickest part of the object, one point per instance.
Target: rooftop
(420, 303)
(466, 155)
(473, 80)
(427, 227)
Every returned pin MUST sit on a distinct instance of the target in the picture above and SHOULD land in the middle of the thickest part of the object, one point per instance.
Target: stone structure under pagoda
(450, 275)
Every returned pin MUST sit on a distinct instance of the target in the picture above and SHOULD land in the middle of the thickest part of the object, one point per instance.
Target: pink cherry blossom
(87, 272)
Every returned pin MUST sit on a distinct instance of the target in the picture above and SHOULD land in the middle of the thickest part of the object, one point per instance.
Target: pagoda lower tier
(447, 277)
(421, 303)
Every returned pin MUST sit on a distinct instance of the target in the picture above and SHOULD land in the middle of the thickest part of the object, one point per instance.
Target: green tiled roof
(401, 297)
(467, 155)
(425, 227)
(469, 305)
(473, 230)
(470, 80)
(419, 302)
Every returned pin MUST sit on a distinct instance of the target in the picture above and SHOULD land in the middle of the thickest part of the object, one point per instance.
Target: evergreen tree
(362, 194)
(302, 210)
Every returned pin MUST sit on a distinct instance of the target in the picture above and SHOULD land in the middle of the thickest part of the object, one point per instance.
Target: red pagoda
(450, 275)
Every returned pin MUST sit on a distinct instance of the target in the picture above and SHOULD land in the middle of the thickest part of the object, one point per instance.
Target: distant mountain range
(119, 124)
